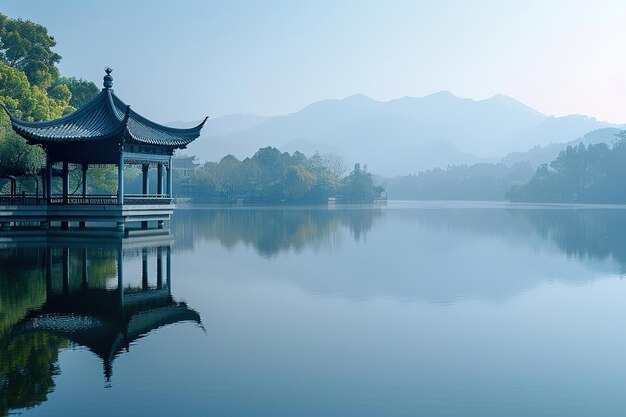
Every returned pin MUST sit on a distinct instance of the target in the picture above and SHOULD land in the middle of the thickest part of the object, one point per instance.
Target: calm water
(433, 309)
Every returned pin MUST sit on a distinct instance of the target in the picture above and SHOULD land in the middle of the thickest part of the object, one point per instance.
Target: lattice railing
(73, 200)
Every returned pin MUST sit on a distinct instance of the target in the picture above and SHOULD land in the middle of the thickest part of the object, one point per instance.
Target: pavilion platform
(105, 132)
(149, 217)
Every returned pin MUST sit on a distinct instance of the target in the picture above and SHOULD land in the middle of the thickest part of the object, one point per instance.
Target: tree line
(274, 177)
(580, 174)
(482, 181)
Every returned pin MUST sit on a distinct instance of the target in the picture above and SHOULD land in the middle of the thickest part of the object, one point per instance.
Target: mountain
(399, 136)
(538, 155)
(224, 125)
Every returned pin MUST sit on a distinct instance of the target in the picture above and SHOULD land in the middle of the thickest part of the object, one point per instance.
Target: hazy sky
(183, 59)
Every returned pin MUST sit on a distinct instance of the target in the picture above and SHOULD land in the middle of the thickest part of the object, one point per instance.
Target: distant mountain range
(399, 136)
(538, 155)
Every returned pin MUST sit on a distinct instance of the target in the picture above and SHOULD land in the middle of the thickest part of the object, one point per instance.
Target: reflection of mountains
(444, 254)
(271, 230)
(594, 233)
(54, 295)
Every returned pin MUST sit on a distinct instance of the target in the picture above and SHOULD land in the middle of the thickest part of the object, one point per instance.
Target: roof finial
(108, 79)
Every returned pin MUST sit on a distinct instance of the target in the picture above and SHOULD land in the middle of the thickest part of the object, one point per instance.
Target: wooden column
(48, 177)
(85, 167)
(159, 178)
(169, 178)
(66, 189)
(120, 180)
(66, 182)
(145, 187)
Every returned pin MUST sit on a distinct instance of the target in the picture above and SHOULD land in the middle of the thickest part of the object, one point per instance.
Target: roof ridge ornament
(108, 79)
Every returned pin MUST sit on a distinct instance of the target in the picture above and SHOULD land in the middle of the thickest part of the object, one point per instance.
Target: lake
(433, 309)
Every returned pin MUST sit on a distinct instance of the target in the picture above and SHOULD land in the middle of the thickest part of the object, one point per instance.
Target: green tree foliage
(17, 158)
(359, 186)
(27, 47)
(580, 174)
(31, 89)
(27, 101)
(271, 176)
(81, 91)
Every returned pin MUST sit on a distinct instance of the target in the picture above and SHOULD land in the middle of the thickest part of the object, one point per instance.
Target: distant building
(183, 168)
(184, 165)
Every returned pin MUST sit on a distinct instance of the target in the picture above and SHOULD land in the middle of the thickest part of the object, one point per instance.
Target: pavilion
(104, 132)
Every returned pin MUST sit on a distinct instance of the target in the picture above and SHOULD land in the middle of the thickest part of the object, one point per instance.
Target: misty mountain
(538, 155)
(399, 136)
(224, 125)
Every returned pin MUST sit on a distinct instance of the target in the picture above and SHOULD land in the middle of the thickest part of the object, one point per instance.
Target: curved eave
(34, 138)
(65, 119)
(94, 121)
(146, 131)
(104, 117)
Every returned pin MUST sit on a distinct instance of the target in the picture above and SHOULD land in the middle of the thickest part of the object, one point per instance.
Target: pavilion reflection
(87, 302)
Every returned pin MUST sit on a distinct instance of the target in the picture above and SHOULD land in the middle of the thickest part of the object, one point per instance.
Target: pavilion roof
(105, 116)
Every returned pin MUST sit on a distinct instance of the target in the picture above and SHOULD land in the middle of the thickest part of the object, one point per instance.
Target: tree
(359, 186)
(583, 174)
(17, 158)
(27, 102)
(82, 91)
(27, 46)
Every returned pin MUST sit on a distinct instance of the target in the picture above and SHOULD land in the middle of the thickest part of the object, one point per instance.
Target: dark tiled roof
(104, 117)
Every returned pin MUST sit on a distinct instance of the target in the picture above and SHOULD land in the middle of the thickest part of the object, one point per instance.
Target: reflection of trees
(578, 232)
(22, 284)
(593, 233)
(27, 363)
(270, 230)
(27, 366)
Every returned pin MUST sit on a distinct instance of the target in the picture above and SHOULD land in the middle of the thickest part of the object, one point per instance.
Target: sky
(181, 60)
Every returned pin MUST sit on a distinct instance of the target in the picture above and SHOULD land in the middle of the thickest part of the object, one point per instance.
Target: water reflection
(321, 312)
(439, 254)
(586, 234)
(60, 294)
(272, 230)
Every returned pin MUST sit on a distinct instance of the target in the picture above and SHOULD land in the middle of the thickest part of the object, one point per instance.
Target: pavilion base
(86, 220)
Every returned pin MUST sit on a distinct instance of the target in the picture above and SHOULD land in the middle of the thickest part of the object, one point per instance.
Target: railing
(22, 200)
(92, 199)
(147, 199)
